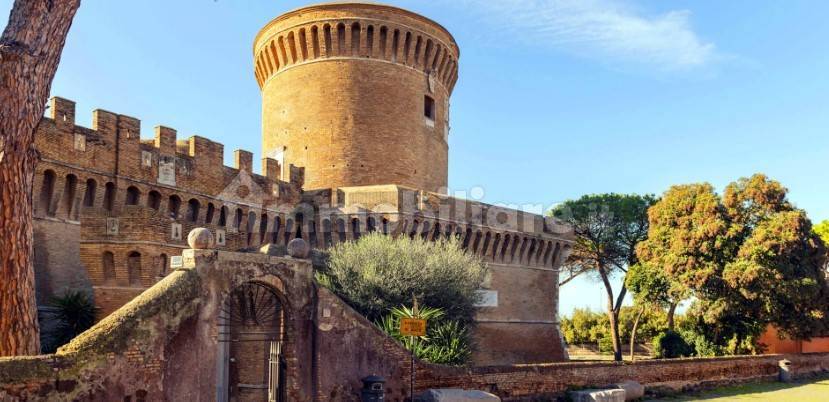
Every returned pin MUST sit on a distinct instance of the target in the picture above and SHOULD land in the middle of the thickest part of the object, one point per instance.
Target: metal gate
(251, 324)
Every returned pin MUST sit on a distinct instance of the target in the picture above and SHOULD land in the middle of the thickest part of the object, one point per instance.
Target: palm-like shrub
(378, 273)
(71, 313)
(446, 342)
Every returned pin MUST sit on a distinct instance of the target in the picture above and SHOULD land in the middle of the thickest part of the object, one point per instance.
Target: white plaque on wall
(167, 170)
(489, 298)
(80, 142)
(112, 226)
(146, 159)
(175, 231)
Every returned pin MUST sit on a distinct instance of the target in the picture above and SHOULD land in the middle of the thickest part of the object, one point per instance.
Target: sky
(556, 98)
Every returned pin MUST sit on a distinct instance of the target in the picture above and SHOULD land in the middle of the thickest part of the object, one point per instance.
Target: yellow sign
(412, 327)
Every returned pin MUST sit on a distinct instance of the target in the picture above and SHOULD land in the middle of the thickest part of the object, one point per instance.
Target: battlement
(113, 144)
(356, 31)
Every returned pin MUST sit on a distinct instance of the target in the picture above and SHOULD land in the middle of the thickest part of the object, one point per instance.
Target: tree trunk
(671, 312)
(612, 315)
(30, 50)
(633, 332)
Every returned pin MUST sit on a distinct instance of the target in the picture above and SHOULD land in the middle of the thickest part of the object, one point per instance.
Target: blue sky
(556, 98)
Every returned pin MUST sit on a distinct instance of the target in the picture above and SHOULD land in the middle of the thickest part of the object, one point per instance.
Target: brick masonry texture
(112, 209)
(165, 345)
(343, 94)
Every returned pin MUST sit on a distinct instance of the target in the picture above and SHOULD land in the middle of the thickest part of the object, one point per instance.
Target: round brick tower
(358, 94)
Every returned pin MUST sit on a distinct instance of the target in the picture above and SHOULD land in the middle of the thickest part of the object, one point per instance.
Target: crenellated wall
(120, 207)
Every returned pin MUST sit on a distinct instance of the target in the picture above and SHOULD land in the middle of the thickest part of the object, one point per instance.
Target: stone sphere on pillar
(298, 248)
(200, 239)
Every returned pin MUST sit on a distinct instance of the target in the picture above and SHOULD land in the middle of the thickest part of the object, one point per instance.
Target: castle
(355, 121)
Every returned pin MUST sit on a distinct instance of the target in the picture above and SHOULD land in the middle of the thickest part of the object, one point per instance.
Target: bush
(446, 342)
(670, 344)
(606, 345)
(71, 313)
(378, 273)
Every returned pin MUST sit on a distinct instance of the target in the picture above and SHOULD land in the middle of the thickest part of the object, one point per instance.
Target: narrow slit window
(429, 107)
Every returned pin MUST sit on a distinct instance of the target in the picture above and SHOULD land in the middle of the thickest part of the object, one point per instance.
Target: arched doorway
(251, 338)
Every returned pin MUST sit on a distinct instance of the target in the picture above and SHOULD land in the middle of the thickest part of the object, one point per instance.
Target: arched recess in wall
(277, 228)
(251, 225)
(340, 230)
(70, 187)
(89, 193)
(300, 224)
(208, 217)
(193, 207)
(154, 200)
(371, 225)
(223, 216)
(134, 268)
(252, 331)
(47, 191)
(162, 266)
(108, 267)
(327, 239)
(109, 196)
(355, 228)
(263, 227)
(237, 219)
(133, 195)
(173, 206)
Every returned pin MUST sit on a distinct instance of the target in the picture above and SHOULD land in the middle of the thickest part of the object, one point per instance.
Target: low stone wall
(531, 382)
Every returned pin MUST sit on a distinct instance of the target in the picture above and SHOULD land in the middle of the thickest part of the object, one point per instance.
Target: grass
(810, 391)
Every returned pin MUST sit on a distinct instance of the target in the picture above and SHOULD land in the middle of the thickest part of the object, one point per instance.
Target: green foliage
(446, 342)
(586, 326)
(71, 313)
(749, 258)
(669, 345)
(822, 230)
(607, 229)
(378, 273)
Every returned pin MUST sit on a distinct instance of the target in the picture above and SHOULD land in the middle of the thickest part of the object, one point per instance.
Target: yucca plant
(71, 313)
(446, 342)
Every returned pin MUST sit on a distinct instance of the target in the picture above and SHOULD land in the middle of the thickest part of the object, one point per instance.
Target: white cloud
(609, 29)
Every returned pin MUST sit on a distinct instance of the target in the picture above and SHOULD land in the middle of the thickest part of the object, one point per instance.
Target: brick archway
(252, 335)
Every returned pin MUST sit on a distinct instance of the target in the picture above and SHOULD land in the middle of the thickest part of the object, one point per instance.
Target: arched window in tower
(355, 39)
(133, 194)
(154, 200)
(395, 45)
(326, 30)
(108, 267)
(47, 191)
(418, 48)
(341, 39)
(173, 206)
(109, 196)
(384, 36)
(193, 207)
(292, 47)
(407, 47)
(315, 42)
(89, 194)
(134, 268)
(69, 189)
(369, 40)
(303, 44)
